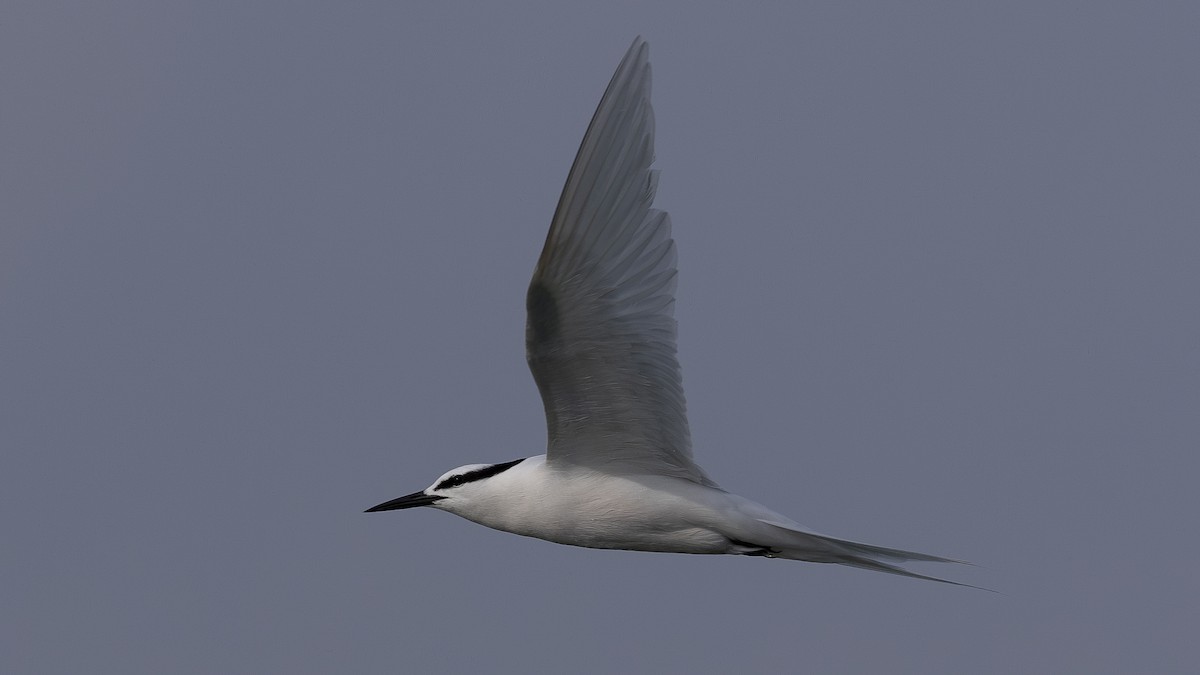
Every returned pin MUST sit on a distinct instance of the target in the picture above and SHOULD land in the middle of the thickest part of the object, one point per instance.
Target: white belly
(596, 510)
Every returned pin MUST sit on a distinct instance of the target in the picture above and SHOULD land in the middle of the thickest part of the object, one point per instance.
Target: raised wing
(600, 334)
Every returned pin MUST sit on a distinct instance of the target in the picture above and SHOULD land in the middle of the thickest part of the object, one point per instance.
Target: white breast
(583, 507)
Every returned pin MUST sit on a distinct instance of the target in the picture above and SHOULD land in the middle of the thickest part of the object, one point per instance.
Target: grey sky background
(262, 265)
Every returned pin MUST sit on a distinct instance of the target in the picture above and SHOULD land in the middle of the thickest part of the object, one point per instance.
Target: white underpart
(600, 341)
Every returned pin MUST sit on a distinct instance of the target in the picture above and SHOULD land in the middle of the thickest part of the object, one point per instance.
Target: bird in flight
(618, 471)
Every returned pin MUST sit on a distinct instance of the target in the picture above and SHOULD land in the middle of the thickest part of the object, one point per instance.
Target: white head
(452, 487)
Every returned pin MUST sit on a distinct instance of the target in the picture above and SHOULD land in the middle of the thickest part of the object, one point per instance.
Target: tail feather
(801, 544)
(897, 554)
(868, 564)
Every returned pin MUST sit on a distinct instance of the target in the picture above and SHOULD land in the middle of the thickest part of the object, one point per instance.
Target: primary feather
(600, 341)
(600, 334)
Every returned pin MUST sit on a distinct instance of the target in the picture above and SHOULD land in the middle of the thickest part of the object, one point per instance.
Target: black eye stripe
(477, 474)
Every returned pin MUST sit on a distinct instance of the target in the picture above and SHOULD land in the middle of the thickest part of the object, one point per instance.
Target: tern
(600, 335)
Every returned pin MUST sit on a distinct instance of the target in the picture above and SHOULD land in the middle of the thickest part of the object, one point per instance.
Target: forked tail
(812, 547)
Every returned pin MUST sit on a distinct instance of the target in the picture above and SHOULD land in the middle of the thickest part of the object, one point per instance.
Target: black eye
(453, 481)
(477, 474)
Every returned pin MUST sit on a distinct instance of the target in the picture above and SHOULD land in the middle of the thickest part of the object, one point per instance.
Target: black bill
(406, 502)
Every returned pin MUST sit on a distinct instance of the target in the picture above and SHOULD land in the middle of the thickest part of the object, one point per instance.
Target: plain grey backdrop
(262, 265)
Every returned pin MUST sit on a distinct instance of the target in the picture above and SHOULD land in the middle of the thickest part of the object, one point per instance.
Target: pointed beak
(406, 502)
